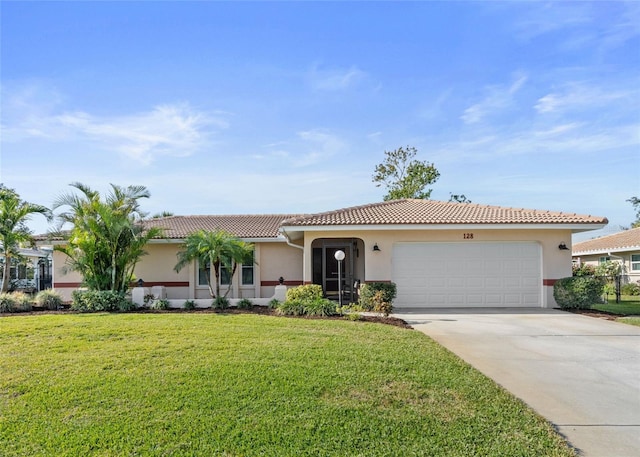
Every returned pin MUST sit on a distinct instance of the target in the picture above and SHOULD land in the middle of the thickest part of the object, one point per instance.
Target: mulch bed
(263, 310)
(595, 313)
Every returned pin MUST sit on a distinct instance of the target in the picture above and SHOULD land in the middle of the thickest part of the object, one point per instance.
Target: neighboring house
(31, 272)
(440, 254)
(623, 247)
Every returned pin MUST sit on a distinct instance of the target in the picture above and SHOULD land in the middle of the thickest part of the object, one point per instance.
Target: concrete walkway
(580, 373)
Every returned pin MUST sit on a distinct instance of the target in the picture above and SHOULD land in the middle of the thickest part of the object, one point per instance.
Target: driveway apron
(580, 373)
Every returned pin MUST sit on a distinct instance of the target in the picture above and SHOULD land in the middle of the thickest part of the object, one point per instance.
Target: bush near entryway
(306, 300)
(578, 292)
(306, 292)
(368, 299)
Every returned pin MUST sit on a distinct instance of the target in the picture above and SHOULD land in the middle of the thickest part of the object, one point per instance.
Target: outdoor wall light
(563, 247)
(140, 282)
(376, 248)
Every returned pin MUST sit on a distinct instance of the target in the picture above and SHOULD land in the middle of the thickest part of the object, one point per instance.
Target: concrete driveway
(581, 373)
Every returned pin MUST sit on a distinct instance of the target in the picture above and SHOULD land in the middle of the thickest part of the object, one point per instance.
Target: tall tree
(217, 249)
(107, 237)
(404, 176)
(635, 201)
(14, 213)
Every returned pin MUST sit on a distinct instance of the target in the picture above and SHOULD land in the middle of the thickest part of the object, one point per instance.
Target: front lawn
(199, 384)
(629, 306)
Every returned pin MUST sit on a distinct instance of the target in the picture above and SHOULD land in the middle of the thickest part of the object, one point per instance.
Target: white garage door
(467, 274)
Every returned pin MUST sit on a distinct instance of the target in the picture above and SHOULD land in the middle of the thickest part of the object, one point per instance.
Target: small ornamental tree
(215, 249)
(107, 236)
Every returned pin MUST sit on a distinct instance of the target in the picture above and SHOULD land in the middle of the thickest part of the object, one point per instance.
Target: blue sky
(283, 107)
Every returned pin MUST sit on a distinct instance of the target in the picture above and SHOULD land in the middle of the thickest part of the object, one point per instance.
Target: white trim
(279, 239)
(606, 250)
(373, 227)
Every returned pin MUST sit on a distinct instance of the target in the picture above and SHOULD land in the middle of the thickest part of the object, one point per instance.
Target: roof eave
(276, 239)
(574, 227)
(606, 250)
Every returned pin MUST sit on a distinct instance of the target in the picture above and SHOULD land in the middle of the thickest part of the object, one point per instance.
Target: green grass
(244, 385)
(629, 320)
(629, 306)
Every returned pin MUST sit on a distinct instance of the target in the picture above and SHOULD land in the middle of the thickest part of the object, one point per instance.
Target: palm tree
(108, 237)
(217, 249)
(14, 213)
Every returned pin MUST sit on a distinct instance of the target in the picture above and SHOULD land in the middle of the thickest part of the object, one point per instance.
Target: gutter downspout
(288, 241)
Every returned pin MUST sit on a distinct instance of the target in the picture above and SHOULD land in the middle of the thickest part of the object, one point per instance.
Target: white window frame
(635, 262)
(248, 267)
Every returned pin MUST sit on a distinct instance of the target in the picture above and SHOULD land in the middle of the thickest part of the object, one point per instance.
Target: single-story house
(31, 271)
(623, 247)
(440, 254)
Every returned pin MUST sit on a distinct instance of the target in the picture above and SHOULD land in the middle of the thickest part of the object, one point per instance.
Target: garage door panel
(467, 274)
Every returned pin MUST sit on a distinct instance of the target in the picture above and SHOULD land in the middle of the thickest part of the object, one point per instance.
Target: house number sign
(467, 236)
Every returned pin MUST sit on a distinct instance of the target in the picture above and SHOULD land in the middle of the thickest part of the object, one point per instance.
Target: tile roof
(626, 240)
(242, 226)
(426, 212)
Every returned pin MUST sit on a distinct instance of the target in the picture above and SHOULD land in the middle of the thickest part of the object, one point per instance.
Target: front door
(332, 273)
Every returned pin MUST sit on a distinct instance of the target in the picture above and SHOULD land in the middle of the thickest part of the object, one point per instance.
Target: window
(635, 262)
(247, 271)
(203, 272)
(604, 259)
(224, 276)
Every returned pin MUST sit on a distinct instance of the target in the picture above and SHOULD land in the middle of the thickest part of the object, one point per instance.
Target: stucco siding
(556, 263)
(278, 260)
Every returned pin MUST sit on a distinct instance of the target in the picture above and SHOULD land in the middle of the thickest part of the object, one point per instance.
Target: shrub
(220, 303)
(189, 304)
(579, 292)
(245, 303)
(306, 292)
(88, 301)
(8, 303)
(23, 302)
(380, 305)
(319, 307)
(290, 308)
(583, 270)
(368, 292)
(161, 303)
(49, 299)
(274, 303)
(313, 307)
(631, 288)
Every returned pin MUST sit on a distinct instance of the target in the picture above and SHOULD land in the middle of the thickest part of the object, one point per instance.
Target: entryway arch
(324, 266)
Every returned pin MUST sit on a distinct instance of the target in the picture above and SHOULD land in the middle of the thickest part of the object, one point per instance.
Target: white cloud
(498, 98)
(579, 95)
(168, 129)
(322, 79)
(306, 148)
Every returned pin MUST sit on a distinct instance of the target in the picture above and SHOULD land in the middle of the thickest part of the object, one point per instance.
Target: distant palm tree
(217, 249)
(108, 237)
(14, 212)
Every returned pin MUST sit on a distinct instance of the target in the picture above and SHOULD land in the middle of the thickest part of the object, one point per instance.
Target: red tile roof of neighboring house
(242, 226)
(431, 212)
(626, 240)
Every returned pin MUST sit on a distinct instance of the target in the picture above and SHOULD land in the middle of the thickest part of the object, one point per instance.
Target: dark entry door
(330, 271)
